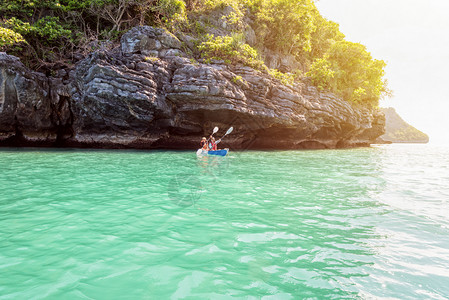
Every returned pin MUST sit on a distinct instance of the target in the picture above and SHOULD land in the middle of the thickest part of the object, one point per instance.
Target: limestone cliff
(148, 93)
(399, 131)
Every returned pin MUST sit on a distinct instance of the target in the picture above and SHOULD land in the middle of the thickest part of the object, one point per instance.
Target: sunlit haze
(412, 37)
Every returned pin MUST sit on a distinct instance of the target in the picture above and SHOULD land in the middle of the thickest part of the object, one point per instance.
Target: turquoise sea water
(367, 223)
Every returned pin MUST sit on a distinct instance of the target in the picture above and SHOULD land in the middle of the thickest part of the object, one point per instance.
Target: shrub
(169, 13)
(50, 29)
(285, 78)
(9, 38)
(230, 49)
(284, 25)
(321, 73)
(348, 70)
(46, 30)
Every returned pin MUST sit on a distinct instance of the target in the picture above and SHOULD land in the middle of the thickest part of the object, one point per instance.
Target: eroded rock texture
(148, 93)
(26, 111)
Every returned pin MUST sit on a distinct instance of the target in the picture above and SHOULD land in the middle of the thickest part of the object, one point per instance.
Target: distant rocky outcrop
(399, 131)
(148, 93)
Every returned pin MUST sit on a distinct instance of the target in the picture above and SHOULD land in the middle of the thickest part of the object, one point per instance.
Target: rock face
(148, 93)
(399, 131)
(26, 110)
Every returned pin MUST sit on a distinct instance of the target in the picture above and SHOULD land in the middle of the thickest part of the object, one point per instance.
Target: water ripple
(361, 223)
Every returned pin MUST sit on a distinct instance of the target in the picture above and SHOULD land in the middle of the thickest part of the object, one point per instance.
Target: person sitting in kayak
(213, 144)
(204, 144)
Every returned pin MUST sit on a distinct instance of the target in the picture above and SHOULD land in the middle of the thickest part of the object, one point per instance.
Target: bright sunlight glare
(411, 36)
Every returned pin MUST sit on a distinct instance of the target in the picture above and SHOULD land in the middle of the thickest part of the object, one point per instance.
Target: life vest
(213, 146)
(204, 145)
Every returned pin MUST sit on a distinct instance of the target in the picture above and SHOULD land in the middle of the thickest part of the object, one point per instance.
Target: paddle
(227, 132)
(199, 151)
(213, 132)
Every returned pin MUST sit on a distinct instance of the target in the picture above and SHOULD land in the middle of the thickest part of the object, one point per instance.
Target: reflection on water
(213, 166)
(297, 207)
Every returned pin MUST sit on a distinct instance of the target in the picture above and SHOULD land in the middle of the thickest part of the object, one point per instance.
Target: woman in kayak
(213, 144)
(204, 144)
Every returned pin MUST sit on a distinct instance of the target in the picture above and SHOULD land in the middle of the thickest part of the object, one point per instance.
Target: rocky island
(149, 91)
(399, 131)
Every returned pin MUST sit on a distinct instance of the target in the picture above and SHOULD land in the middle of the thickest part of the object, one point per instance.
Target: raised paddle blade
(215, 131)
(227, 132)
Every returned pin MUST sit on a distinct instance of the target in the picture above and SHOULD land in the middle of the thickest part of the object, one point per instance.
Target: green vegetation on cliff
(348, 70)
(230, 49)
(47, 34)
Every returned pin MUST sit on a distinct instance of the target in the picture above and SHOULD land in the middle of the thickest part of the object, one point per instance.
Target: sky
(412, 37)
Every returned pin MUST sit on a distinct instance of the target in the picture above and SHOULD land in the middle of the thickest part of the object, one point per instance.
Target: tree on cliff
(348, 70)
(45, 34)
(62, 30)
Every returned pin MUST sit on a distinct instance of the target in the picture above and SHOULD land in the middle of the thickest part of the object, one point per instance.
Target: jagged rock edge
(319, 106)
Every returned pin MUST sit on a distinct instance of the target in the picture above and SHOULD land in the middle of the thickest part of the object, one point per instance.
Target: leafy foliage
(321, 73)
(324, 36)
(285, 78)
(55, 31)
(9, 38)
(167, 13)
(230, 49)
(285, 25)
(349, 70)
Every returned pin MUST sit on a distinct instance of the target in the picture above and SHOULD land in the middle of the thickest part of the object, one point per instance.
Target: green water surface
(332, 224)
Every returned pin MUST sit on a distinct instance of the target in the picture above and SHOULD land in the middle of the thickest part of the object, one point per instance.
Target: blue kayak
(221, 152)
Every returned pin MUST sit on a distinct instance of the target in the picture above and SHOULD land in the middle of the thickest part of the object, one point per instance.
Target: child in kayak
(204, 144)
